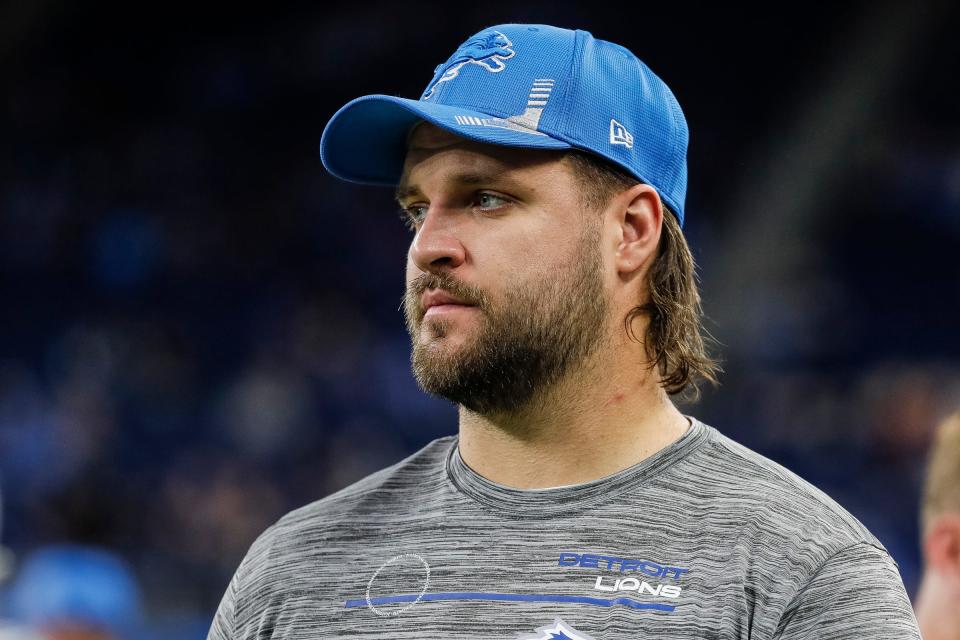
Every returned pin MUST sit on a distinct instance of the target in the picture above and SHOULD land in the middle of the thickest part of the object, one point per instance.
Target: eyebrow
(406, 190)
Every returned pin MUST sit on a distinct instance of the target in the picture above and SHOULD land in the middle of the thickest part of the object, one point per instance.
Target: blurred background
(199, 328)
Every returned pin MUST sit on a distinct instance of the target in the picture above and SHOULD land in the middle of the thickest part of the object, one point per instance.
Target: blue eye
(413, 215)
(490, 201)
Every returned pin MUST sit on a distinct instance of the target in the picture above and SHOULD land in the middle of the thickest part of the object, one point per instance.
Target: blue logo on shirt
(559, 630)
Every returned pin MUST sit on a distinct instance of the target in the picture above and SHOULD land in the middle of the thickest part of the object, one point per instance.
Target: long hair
(675, 340)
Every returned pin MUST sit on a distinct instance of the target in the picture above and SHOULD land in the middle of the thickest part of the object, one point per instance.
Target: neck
(586, 427)
(936, 607)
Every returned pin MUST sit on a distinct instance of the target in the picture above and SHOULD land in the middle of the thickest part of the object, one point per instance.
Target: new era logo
(620, 135)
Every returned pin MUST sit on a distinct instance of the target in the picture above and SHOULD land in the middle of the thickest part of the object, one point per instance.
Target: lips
(439, 297)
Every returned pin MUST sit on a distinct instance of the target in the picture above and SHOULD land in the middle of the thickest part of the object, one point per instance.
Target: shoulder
(388, 488)
(787, 538)
(417, 474)
(769, 503)
(325, 520)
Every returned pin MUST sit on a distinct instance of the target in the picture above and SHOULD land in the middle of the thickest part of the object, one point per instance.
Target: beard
(541, 330)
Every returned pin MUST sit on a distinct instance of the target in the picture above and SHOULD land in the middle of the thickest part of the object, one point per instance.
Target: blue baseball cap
(524, 85)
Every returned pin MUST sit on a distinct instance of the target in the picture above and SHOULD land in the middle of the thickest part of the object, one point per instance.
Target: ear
(941, 545)
(639, 218)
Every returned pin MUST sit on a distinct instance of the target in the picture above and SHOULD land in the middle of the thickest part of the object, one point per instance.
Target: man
(551, 295)
(938, 601)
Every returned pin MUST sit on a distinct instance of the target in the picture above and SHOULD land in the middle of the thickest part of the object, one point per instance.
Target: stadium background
(200, 328)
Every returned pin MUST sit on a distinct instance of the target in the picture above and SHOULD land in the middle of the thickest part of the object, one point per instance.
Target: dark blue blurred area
(200, 328)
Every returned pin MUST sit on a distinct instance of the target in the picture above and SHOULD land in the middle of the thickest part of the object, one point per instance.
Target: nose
(437, 247)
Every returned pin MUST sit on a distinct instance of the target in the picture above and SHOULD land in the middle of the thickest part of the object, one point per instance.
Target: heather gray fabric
(705, 539)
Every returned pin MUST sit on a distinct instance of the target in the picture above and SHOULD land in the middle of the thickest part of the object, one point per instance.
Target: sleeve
(223, 624)
(857, 593)
(236, 599)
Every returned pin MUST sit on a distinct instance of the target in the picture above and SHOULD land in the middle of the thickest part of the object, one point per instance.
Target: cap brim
(366, 140)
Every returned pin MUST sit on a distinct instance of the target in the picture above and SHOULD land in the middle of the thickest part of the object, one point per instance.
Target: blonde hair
(942, 487)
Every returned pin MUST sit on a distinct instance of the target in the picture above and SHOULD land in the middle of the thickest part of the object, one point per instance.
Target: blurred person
(17, 632)
(552, 296)
(938, 599)
(10, 630)
(72, 592)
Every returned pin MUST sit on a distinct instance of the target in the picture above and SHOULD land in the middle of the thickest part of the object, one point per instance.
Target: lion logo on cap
(488, 49)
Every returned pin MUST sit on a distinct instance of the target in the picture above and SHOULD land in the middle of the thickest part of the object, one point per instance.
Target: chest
(451, 580)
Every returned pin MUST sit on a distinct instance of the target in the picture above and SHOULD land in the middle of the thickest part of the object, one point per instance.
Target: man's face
(505, 290)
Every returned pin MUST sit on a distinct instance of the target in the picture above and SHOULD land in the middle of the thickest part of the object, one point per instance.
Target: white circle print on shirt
(395, 581)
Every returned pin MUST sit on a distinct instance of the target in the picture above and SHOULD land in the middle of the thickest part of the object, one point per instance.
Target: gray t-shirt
(705, 539)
